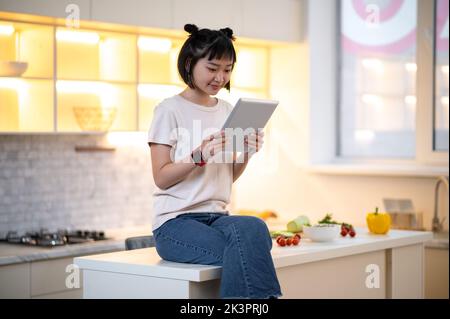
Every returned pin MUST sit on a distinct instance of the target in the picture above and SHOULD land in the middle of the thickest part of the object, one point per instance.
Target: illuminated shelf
(26, 105)
(94, 55)
(158, 60)
(90, 80)
(251, 69)
(103, 81)
(28, 43)
(95, 106)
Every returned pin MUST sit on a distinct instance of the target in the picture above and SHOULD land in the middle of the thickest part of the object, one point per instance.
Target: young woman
(190, 221)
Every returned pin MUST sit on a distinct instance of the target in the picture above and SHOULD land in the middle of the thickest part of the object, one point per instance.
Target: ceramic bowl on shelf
(94, 118)
(322, 232)
(12, 68)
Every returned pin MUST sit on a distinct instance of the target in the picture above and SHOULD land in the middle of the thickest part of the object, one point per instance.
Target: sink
(440, 240)
(441, 235)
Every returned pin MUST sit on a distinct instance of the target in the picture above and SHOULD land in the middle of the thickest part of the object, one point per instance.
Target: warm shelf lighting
(6, 30)
(13, 84)
(411, 67)
(154, 44)
(105, 91)
(444, 69)
(244, 75)
(444, 100)
(155, 91)
(77, 36)
(80, 87)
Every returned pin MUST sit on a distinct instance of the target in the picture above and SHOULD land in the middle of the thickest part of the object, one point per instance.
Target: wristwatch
(197, 158)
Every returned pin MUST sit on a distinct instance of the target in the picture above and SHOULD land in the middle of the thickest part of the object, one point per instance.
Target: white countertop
(146, 262)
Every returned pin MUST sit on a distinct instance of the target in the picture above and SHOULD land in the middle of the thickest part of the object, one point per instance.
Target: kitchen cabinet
(100, 78)
(273, 20)
(436, 277)
(38, 279)
(213, 14)
(251, 69)
(95, 81)
(260, 19)
(85, 106)
(15, 281)
(95, 55)
(52, 8)
(26, 89)
(158, 74)
(48, 278)
(146, 13)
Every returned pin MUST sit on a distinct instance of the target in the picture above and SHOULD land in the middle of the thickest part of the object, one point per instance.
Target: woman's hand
(253, 142)
(212, 145)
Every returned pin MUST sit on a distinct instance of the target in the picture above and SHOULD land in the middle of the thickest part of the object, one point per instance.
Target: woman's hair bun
(228, 32)
(191, 28)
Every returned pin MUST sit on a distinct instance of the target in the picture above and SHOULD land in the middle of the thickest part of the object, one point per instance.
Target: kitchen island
(366, 266)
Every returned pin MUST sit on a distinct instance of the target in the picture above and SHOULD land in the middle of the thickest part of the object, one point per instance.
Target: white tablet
(250, 113)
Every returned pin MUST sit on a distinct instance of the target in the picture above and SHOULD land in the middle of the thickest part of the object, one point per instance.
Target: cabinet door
(49, 277)
(279, 20)
(15, 281)
(212, 14)
(53, 8)
(147, 13)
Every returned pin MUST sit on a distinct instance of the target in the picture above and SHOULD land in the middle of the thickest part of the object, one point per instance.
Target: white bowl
(322, 232)
(12, 68)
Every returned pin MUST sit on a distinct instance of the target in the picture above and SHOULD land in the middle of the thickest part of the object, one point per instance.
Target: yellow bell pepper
(266, 214)
(378, 223)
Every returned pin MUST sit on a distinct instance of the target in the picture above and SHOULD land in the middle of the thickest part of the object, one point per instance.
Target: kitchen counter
(439, 241)
(16, 253)
(338, 269)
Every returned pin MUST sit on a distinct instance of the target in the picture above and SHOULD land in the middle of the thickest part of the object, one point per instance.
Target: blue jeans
(240, 244)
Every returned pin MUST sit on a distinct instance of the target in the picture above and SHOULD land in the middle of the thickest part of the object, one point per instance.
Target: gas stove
(44, 238)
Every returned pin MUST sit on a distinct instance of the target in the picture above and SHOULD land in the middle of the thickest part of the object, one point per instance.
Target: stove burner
(44, 238)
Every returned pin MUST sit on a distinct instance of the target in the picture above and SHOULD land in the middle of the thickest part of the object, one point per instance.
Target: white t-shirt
(183, 125)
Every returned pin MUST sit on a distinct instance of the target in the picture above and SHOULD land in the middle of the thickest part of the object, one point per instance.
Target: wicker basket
(91, 118)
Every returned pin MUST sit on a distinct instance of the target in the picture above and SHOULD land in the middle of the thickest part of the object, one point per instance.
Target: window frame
(426, 81)
(326, 158)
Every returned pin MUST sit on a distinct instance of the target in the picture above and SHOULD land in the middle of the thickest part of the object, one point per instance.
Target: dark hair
(213, 44)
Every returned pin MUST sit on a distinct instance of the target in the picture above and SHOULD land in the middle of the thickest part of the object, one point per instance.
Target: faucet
(437, 225)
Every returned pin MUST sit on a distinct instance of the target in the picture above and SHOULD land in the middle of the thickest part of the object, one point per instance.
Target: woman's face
(212, 75)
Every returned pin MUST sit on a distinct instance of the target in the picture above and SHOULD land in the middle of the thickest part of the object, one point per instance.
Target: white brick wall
(45, 183)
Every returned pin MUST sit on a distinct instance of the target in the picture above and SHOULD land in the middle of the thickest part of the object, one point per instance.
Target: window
(388, 79)
(377, 90)
(441, 112)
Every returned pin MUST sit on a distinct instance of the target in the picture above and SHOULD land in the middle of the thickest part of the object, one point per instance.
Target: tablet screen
(248, 116)
(250, 113)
